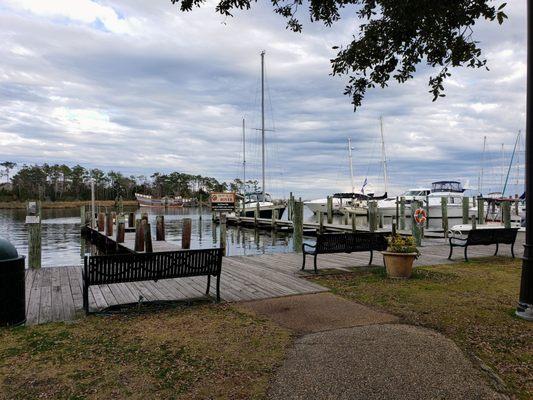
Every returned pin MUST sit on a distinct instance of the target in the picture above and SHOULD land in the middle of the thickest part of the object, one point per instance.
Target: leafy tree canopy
(394, 36)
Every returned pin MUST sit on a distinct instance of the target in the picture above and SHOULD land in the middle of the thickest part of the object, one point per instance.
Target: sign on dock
(223, 201)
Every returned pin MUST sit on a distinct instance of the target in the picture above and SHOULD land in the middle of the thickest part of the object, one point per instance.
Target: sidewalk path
(349, 351)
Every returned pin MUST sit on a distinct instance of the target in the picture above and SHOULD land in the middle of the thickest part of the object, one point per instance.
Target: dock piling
(121, 229)
(480, 211)
(402, 213)
(101, 221)
(131, 220)
(139, 235)
(223, 233)
(474, 225)
(160, 228)
(330, 209)
(298, 230)
(466, 208)
(33, 222)
(506, 214)
(415, 228)
(186, 234)
(444, 211)
(147, 230)
(354, 222)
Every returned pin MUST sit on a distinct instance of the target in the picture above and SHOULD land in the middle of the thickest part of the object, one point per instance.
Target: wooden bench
(120, 268)
(485, 237)
(345, 243)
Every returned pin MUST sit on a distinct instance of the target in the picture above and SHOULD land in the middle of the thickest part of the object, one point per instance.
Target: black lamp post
(525, 303)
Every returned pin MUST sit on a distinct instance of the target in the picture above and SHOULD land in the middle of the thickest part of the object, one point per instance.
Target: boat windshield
(415, 193)
(257, 197)
(447, 186)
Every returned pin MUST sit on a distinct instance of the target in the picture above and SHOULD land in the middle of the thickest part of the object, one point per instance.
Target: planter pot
(399, 265)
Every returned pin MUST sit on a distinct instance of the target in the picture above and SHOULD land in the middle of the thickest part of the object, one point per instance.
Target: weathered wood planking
(55, 294)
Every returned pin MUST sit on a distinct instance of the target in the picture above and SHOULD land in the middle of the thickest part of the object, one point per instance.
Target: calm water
(62, 244)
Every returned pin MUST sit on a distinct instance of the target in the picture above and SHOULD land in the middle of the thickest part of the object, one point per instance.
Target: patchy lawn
(209, 351)
(472, 303)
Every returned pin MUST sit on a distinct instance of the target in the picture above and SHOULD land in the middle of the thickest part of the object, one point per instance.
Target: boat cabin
(447, 186)
(257, 197)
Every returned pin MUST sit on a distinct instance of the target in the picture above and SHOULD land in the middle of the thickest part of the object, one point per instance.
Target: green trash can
(12, 286)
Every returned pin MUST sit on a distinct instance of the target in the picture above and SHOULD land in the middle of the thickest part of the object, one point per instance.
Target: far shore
(64, 204)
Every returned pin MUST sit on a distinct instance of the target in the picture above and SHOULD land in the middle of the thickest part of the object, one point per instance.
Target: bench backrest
(151, 266)
(492, 236)
(348, 242)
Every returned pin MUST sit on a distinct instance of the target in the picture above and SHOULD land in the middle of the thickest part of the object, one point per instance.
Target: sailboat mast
(510, 164)
(383, 155)
(263, 121)
(244, 156)
(351, 163)
(480, 183)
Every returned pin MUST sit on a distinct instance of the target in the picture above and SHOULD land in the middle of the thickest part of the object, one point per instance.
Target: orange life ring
(420, 216)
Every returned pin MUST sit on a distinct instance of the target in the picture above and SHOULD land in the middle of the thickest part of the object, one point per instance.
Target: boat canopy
(358, 196)
(447, 186)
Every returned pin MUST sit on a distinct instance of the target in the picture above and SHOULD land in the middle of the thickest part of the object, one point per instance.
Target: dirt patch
(316, 312)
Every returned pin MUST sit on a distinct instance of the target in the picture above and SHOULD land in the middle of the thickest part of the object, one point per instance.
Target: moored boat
(149, 201)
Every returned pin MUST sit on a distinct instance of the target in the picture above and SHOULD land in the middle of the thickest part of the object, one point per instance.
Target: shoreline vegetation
(17, 205)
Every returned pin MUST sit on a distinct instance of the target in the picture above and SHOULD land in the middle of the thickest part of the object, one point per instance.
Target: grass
(201, 352)
(64, 204)
(472, 303)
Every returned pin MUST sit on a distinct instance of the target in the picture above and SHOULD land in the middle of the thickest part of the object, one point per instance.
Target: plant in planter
(400, 256)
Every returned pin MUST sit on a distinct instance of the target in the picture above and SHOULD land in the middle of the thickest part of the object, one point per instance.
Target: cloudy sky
(137, 86)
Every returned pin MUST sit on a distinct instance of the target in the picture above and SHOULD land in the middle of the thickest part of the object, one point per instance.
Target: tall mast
(510, 164)
(383, 155)
(244, 156)
(351, 163)
(480, 182)
(263, 121)
(503, 168)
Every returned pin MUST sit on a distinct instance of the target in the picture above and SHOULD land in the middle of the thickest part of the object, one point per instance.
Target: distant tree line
(63, 183)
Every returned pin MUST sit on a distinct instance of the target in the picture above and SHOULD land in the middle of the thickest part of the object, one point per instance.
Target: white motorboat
(387, 207)
(451, 190)
(265, 203)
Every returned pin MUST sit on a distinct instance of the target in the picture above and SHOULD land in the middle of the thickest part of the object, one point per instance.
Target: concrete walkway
(350, 351)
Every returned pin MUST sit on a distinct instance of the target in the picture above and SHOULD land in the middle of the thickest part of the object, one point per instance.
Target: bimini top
(447, 186)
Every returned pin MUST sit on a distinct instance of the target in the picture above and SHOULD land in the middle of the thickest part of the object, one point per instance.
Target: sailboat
(261, 199)
(320, 205)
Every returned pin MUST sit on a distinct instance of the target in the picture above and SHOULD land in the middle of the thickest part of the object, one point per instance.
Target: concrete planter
(399, 265)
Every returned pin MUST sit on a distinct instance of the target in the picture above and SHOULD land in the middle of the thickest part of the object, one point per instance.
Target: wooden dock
(54, 293)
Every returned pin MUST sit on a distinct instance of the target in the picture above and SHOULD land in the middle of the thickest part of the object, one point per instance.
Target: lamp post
(525, 302)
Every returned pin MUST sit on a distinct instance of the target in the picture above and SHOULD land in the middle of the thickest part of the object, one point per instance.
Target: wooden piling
(274, 218)
(402, 213)
(397, 209)
(480, 211)
(186, 234)
(298, 229)
(131, 220)
(83, 217)
(121, 230)
(474, 224)
(320, 222)
(466, 209)
(33, 223)
(372, 216)
(329, 205)
(427, 214)
(160, 228)
(380, 217)
(506, 214)
(393, 229)
(516, 205)
(148, 248)
(109, 224)
(139, 235)
(354, 222)
(223, 234)
(415, 228)
(257, 213)
(101, 221)
(444, 211)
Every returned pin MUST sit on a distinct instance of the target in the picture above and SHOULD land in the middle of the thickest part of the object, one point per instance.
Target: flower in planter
(402, 244)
